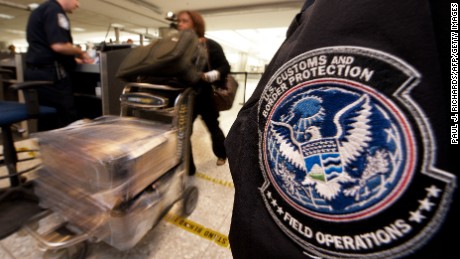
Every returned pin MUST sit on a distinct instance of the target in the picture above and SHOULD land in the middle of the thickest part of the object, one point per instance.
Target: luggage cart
(125, 210)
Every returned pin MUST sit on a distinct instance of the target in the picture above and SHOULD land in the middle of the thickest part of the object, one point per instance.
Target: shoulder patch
(347, 155)
(63, 21)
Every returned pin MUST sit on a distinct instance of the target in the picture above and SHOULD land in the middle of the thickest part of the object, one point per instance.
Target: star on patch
(433, 191)
(416, 216)
(280, 211)
(425, 204)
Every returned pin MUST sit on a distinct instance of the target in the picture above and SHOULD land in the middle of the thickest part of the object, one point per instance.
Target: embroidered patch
(63, 21)
(347, 155)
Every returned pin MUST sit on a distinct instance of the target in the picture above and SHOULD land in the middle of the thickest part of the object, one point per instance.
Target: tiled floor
(203, 234)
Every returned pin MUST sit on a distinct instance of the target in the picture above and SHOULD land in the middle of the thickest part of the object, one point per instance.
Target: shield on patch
(322, 159)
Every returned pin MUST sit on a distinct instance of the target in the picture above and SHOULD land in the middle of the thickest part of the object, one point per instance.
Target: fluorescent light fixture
(6, 16)
(28, 7)
(78, 29)
(16, 32)
(33, 6)
(117, 25)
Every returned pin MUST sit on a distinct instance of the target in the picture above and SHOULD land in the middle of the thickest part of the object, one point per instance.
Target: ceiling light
(16, 31)
(78, 29)
(33, 6)
(6, 16)
(28, 7)
(117, 25)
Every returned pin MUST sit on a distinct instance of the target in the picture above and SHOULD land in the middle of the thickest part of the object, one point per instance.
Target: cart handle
(145, 100)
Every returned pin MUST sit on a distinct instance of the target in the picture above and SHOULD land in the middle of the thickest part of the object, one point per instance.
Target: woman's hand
(211, 76)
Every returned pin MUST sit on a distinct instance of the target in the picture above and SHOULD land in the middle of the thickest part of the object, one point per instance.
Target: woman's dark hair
(198, 21)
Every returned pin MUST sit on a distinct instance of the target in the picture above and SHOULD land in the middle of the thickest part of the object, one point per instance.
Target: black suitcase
(178, 55)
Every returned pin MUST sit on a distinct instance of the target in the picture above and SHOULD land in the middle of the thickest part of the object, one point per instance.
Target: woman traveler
(214, 74)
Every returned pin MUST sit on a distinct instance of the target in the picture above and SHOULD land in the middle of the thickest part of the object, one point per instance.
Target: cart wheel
(190, 199)
(77, 251)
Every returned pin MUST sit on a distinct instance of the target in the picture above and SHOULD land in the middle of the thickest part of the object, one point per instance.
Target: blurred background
(249, 30)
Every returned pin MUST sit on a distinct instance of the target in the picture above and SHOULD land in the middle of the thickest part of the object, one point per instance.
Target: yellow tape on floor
(198, 229)
(214, 180)
(30, 152)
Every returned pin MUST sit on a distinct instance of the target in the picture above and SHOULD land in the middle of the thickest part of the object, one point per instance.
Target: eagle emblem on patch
(346, 155)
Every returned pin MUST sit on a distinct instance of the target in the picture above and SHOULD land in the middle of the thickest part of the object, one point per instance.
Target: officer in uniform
(51, 56)
(343, 150)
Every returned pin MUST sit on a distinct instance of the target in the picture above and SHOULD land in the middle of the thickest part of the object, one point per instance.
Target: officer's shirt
(48, 24)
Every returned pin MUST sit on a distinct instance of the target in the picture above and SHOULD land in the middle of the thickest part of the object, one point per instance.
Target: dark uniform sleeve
(57, 25)
(343, 150)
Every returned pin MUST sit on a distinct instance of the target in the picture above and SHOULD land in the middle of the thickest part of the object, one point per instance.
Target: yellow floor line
(198, 229)
(214, 180)
(31, 152)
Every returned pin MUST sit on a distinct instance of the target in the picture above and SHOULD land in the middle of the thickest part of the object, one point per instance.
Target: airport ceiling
(239, 17)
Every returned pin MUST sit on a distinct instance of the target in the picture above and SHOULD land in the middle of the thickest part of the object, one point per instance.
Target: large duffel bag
(178, 55)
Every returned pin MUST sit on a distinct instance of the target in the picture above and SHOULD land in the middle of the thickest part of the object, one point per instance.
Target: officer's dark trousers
(59, 96)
